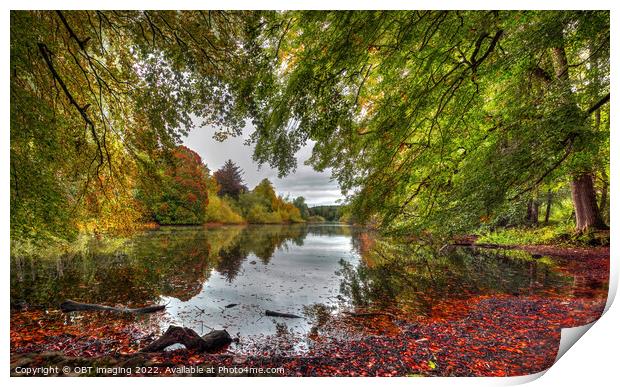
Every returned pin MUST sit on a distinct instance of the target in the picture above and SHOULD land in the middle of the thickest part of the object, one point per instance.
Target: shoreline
(561, 251)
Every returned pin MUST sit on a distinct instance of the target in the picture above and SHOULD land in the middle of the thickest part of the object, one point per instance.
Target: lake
(227, 277)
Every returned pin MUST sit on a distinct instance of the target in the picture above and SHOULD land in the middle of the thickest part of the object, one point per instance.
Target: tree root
(190, 339)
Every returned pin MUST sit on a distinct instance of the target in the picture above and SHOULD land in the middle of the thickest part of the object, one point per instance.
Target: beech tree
(180, 195)
(437, 120)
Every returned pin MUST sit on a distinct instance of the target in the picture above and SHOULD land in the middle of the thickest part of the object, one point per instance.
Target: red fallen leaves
(492, 335)
(508, 335)
(499, 336)
(90, 335)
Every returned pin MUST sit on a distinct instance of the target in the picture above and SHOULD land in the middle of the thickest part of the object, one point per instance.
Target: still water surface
(300, 269)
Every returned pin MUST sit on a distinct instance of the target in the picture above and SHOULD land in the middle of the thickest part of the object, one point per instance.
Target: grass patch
(546, 235)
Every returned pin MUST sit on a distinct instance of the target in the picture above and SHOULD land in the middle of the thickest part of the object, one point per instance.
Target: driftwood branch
(73, 306)
(190, 339)
(209, 342)
(278, 314)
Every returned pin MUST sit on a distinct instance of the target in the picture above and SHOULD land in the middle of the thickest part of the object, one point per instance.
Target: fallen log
(73, 306)
(278, 314)
(190, 339)
(492, 246)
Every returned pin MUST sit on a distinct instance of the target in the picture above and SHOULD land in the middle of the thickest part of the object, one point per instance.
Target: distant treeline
(199, 196)
(225, 198)
(327, 213)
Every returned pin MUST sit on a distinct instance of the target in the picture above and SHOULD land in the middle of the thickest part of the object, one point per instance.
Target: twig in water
(202, 311)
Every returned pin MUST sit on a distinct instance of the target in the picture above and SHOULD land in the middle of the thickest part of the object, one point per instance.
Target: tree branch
(598, 105)
(80, 42)
(476, 62)
(45, 52)
(553, 167)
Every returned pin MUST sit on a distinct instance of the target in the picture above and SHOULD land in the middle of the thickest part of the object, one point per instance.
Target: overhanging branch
(598, 105)
(47, 57)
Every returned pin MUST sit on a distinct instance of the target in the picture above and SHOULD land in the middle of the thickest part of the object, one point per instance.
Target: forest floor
(577, 252)
(491, 335)
(555, 250)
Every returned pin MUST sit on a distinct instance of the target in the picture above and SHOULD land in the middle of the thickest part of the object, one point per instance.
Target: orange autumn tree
(182, 195)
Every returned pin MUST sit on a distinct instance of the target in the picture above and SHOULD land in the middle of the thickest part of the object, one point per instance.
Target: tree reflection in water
(414, 278)
(316, 271)
(173, 261)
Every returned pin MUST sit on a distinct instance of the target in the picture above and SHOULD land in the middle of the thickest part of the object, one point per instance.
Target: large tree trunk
(532, 211)
(587, 213)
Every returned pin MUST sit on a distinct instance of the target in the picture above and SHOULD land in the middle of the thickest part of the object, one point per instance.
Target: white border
(593, 360)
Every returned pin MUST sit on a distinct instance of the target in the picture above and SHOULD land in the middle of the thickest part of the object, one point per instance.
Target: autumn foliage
(182, 197)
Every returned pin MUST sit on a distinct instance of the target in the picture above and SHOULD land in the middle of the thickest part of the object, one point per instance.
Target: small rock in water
(252, 262)
(174, 347)
(230, 305)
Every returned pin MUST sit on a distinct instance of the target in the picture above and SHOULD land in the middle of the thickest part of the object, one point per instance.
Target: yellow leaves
(289, 59)
(218, 211)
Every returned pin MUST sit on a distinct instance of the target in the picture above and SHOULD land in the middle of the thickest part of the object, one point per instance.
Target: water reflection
(173, 262)
(279, 268)
(310, 270)
(415, 278)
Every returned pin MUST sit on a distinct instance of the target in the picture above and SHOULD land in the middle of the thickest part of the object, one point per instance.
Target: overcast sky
(316, 187)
